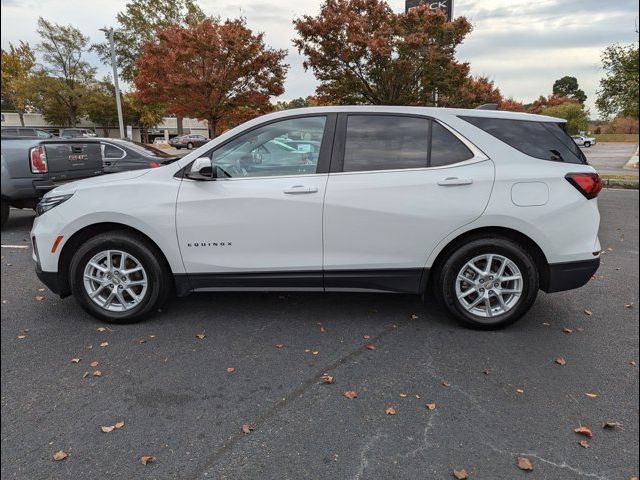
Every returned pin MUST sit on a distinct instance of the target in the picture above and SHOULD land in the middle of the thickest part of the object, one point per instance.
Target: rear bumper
(567, 276)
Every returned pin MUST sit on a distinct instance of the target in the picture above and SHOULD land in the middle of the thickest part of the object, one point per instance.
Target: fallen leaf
(279, 345)
(629, 305)
(591, 395)
(231, 370)
(567, 330)
(367, 337)
(561, 361)
(141, 341)
(107, 429)
(104, 344)
(612, 425)
(246, 428)
(322, 330)
(582, 430)
(371, 346)
(85, 374)
(307, 350)
(93, 364)
(390, 411)
(519, 390)
(486, 372)
(445, 383)
(200, 336)
(403, 395)
(584, 444)
(461, 474)
(546, 324)
(414, 316)
(102, 329)
(326, 378)
(60, 455)
(147, 459)
(350, 394)
(39, 298)
(430, 406)
(97, 373)
(632, 362)
(525, 464)
(75, 360)
(315, 352)
(119, 424)
(21, 337)
(588, 313)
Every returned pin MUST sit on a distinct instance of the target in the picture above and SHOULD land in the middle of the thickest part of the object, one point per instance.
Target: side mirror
(201, 169)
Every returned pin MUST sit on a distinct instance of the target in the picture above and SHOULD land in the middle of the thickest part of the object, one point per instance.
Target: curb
(632, 164)
(620, 184)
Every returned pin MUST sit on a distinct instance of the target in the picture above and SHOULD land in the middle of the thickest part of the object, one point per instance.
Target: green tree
(63, 80)
(137, 25)
(568, 87)
(17, 68)
(100, 105)
(361, 51)
(576, 116)
(618, 93)
(295, 103)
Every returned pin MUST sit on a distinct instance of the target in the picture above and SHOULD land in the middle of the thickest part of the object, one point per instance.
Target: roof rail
(488, 106)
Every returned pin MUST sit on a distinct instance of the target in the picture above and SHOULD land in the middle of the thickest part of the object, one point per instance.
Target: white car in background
(482, 208)
(583, 141)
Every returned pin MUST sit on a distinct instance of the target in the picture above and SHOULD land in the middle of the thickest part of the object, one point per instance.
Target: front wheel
(587, 144)
(118, 277)
(488, 282)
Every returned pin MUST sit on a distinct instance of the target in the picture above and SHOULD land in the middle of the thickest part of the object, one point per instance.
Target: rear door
(399, 185)
(73, 160)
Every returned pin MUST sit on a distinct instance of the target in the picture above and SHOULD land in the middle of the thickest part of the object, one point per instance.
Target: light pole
(109, 33)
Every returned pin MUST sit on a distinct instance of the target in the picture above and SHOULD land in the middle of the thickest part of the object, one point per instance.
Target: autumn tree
(618, 93)
(511, 105)
(568, 87)
(62, 81)
(547, 102)
(219, 72)
(361, 51)
(475, 91)
(17, 68)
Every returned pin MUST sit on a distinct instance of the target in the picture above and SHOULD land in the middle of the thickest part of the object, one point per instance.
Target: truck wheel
(587, 144)
(488, 282)
(5, 212)
(119, 277)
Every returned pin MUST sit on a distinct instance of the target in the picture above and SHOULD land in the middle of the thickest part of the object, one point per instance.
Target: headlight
(47, 203)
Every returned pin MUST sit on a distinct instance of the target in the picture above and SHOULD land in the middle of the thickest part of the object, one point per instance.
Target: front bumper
(53, 282)
(567, 276)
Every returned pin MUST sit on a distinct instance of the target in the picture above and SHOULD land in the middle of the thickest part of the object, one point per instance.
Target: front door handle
(300, 189)
(455, 181)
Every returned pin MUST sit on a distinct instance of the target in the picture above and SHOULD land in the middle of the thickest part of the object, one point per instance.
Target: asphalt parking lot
(610, 158)
(497, 395)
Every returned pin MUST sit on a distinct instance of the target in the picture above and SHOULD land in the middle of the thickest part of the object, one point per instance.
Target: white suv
(483, 207)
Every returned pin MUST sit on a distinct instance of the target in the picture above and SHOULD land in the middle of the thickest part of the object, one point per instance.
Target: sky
(522, 45)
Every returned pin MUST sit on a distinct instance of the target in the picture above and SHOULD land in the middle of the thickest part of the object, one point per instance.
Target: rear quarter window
(543, 140)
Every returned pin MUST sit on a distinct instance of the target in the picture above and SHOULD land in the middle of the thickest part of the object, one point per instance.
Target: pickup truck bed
(67, 160)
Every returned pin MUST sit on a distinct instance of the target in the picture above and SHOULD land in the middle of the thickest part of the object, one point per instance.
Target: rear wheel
(587, 144)
(488, 282)
(5, 212)
(117, 277)
(190, 146)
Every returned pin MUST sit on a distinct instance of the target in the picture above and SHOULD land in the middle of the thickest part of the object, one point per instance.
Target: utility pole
(109, 33)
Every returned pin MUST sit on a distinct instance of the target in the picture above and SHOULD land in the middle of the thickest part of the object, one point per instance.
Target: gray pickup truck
(33, 166)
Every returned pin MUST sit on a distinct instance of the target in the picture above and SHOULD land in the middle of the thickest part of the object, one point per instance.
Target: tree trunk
(21, 115)
(180, 127)
(213, 126)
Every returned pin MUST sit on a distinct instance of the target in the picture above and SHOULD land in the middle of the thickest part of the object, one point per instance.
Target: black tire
(587, 144)
(446, 277)
(190, 146)
(158, 276)
(5, 212)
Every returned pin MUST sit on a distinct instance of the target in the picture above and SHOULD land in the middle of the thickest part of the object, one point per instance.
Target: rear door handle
(300, 189)
(455, 181)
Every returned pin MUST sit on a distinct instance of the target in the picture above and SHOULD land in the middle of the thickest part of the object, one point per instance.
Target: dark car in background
(122, 155)
(25, 132)
(188, 141)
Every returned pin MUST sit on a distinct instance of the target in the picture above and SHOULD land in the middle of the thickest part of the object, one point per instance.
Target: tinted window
(263, 151)
(112, 152)
(27, 132)
(385, 142)
(446, 148)
(9, 131)
(544, 140)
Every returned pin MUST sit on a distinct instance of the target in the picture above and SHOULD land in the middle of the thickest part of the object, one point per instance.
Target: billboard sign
(445, 5)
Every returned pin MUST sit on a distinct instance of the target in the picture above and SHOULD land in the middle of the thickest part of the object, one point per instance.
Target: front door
(403, 183)
(259, 223)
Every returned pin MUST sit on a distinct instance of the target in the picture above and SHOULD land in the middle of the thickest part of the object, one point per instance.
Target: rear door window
(543, 140)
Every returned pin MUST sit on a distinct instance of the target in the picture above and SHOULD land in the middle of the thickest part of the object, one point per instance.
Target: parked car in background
(31, 167)
(583, 141)
(77, 133)
(482, 208)
(188, 141)
(25, 132)
(122, 155)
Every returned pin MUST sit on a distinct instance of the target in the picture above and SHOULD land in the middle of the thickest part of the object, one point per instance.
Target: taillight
(588, 184)
(154, 164)
(38, 157)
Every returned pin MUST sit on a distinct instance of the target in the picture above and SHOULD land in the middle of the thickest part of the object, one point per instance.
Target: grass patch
(617, 137)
